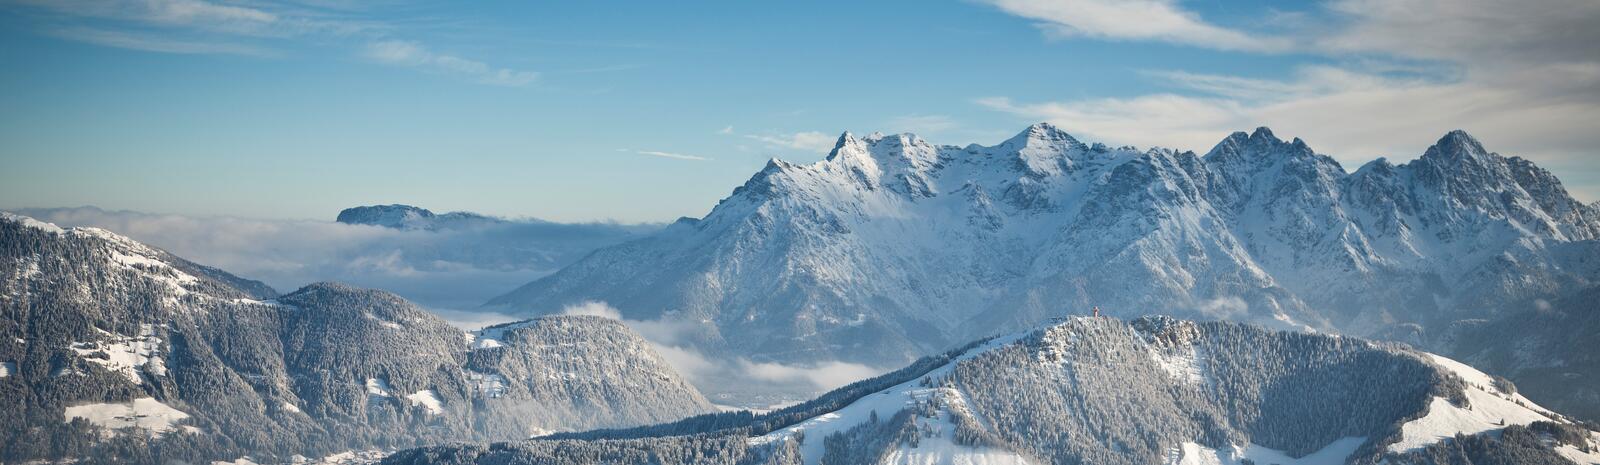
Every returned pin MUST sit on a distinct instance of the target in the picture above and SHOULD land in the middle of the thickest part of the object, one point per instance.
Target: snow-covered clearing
(1334, 453)
(427, 400)
(144, 412)
(487, 384)
(1592, 457)
(377, 387)
(885, 403)
(128, 355)
(941, 448)
(1490, 410)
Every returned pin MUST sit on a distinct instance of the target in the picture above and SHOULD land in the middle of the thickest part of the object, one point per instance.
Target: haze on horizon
(574, 112)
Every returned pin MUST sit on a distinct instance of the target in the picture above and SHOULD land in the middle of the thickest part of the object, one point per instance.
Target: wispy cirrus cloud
(810, 141)
(675, 156)
(1353, 116)
(168, 12)
(149, 43)
(253, 29)
(413, 54)
(1135, 20)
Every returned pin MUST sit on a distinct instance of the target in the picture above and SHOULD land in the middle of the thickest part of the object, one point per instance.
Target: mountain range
(893, 247)
(114, 351)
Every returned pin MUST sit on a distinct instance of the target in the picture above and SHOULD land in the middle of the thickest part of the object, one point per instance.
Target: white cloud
(1471, 32)
(1225, 308)
(713, 374)
(163, 12)
(593, 308)
(1542, 114)
(825, 375)
(472, 320)
(810, 141)
(1135, 20)
(203, 27)
(1523, 78)
(669, 338)
(413, 54)
(677, 156)
(437, 269)
(726, 130)
(149, 43)
(195, 11)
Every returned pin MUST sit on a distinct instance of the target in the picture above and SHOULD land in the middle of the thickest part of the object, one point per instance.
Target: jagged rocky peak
(1043, 149)
(1043, 135)
(1261, 144)
(1459, 159)
(879, 155)
(1459, 172)
(1457, 143)
(848, 147)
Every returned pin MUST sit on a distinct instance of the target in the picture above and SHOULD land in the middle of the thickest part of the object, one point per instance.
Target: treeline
(715, 449)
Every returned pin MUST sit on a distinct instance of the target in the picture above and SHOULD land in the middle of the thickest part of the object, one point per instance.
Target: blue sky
(646, 111)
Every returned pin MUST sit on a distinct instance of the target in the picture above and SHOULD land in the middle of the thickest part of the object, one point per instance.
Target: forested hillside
(117, 352)
(1100, 390)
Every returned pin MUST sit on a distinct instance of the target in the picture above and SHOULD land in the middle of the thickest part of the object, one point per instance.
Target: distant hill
(409, 217)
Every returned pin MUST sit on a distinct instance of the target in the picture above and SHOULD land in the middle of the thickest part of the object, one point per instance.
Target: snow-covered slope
(107, 343)
(1099, 390)
(893, 247)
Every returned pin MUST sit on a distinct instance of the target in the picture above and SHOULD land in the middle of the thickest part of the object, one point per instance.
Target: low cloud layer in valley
(449, 271)
(760, 384)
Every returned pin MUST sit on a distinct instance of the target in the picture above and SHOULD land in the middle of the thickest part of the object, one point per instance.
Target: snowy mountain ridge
(890, 235)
